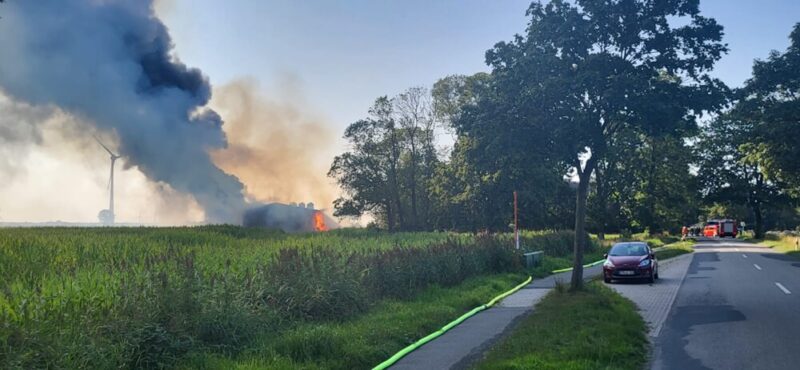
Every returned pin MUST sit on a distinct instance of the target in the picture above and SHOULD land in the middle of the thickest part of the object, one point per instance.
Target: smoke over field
(108, 68)
(110, 64)
(274, 145)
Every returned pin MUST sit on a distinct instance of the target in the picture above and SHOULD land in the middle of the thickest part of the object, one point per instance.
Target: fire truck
(721, 228)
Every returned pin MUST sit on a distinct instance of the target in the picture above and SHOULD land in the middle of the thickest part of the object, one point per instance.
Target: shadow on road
(686, 317)
(783, 257)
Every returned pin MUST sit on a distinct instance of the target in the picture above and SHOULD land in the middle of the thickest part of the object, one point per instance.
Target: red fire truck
(721, 228)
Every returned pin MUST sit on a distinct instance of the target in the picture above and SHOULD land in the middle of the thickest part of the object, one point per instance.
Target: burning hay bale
(289, 218)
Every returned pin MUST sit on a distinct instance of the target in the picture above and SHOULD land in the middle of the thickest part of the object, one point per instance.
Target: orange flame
(319, 221)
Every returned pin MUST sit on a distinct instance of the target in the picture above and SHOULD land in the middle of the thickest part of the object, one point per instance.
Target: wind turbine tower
(106, 216)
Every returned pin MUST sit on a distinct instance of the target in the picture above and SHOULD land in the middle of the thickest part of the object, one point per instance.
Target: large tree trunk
(389, 216)
(756, 205)
(650, 207)
(400, 219)
(395, 195)
(414, 216)
(393, 174)
(759, 226)
(602, 199)
(580, 225)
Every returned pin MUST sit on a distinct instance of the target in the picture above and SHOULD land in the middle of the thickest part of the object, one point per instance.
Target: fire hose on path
(397, 356)
(403, 352)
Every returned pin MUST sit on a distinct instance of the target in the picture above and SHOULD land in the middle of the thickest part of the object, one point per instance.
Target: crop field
(145, 297)
(76, 297)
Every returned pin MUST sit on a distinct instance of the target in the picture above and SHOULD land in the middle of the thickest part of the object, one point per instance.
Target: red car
(632, 260)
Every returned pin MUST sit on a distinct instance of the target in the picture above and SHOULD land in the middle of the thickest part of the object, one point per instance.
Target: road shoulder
(655, 300)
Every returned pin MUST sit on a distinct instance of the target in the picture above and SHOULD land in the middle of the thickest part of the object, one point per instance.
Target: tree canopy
(586, 71)
(591, 115)
(771, 99)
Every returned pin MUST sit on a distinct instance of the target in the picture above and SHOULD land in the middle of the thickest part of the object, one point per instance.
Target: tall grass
(144, 297)
(554, 243)
(783, 241)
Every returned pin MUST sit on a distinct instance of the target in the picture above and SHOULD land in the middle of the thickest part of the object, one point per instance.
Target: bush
(773, 235)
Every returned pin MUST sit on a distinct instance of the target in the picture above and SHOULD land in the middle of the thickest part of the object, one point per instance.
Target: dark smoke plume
(109, 63)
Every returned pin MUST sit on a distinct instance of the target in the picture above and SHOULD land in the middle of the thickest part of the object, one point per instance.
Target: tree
(414, 114)
(771, 99)
(455, 93)
(643, 184)
(666, 193)
(727, 175)
(368, 174)
(587, 70)
(494, 155)
(392, 160)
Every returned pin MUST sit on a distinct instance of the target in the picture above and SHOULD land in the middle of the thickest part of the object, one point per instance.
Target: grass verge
(365, 341)
(675, 249)
(591, 329)
(789, 245)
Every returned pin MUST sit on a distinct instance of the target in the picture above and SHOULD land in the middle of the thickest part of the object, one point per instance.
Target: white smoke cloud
(108, 64)
(52, 169)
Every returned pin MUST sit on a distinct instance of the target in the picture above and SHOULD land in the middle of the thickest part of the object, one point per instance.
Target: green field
(156, 297)
(74, 297)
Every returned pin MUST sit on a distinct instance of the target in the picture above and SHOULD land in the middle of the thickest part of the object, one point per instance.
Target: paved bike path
(461, 346)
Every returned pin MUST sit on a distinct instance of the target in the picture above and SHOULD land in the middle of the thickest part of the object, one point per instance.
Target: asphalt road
(737, 308)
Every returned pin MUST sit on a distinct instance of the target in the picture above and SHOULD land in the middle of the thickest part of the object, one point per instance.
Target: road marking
(783, 288)
(757, 266)
(744, 255)
(736, 249)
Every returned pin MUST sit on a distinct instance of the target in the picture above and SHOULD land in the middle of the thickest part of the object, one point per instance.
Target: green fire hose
(595, 263)
(397, 356)
(403, 352)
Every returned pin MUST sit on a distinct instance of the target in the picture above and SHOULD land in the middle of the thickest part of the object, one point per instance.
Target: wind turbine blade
(105, 147)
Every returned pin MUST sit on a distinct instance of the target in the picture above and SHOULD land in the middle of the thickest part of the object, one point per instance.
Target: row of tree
(602, 115)
(748, 155)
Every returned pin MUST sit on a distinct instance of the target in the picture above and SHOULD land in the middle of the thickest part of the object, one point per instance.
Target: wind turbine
(106, 216)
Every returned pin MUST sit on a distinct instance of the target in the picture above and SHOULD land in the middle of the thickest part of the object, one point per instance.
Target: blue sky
(333, 58)
(344, 54)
